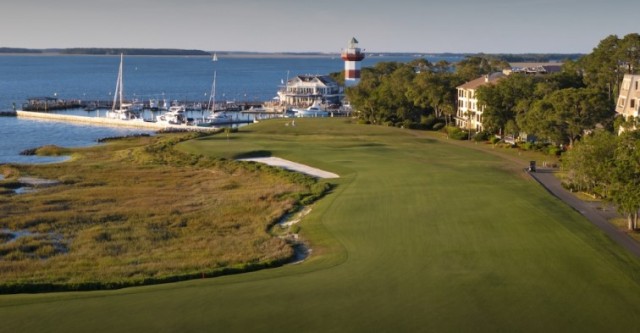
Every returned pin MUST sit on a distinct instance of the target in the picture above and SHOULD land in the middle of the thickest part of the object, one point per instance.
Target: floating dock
(111, 122)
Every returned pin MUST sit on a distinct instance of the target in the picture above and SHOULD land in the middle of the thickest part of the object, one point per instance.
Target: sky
(421, 26)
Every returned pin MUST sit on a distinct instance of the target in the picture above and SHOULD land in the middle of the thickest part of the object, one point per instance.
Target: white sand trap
(293, 166)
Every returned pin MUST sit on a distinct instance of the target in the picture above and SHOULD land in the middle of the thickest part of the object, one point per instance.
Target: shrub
(554, 151)
(481, 136)
(527, 146)
(428, 122)
(438, 126)
(457, 133)
(493, 140)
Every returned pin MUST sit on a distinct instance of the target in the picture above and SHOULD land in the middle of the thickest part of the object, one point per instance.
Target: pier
(47, 104)
(110, 122)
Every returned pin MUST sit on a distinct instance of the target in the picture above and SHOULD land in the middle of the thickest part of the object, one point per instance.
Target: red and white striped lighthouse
(352, 57)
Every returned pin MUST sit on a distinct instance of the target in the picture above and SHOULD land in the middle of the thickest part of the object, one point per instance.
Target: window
(636, 85)
(626, 84)
(632, 103)
(622, 101)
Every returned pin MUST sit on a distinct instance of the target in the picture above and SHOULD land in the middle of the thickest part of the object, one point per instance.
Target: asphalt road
(592, 211)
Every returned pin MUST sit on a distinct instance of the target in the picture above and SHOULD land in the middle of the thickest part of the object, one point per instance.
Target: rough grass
(137, 211)
(420, 235)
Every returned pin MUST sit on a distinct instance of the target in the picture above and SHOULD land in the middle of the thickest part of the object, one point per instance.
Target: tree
(434, 90)
(625, 177)
(473, 67)
(380, 97)
(629, 53)
(502, 100)
(577, 110)
(590, 161)
(601, 67)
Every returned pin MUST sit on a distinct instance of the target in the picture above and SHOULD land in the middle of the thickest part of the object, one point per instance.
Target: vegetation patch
(137, 211)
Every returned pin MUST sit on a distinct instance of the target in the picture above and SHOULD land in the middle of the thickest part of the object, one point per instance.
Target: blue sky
(422, 26)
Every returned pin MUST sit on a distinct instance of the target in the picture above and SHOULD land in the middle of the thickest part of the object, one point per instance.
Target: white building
(469, 112)
(629, 98)
(304, 90)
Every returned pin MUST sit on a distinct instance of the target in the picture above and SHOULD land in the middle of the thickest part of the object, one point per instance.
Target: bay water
(247, 79)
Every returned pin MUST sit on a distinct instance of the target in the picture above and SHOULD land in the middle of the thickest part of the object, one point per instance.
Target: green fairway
(418, 235)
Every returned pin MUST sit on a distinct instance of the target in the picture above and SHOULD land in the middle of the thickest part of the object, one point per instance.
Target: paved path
(589, 210)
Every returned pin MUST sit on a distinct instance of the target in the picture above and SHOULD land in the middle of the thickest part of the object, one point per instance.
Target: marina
(83, 86)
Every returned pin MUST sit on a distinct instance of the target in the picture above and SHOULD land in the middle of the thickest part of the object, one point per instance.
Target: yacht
(177, 115)
(315, 110)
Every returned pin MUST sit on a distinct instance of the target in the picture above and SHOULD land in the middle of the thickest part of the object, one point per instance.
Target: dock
(111, 122)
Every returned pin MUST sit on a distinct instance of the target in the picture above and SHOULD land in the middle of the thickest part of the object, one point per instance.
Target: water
(18, 135)
(172, 78)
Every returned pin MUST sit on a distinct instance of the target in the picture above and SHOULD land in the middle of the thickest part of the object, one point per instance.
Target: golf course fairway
(419, 235)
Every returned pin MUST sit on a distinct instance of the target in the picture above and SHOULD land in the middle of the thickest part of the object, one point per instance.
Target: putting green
(419, 235)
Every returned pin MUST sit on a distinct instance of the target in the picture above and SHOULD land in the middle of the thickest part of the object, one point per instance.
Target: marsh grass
(137, 211)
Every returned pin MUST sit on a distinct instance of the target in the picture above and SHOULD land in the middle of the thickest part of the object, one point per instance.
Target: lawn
(418, 235)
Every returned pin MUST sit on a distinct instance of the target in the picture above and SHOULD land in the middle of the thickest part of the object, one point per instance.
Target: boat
(315, 110)
(124, 110)
(177, 115)
(215, 118)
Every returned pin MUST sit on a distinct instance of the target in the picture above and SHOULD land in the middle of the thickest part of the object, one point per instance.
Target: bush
(457, 133)
(428, 122)
(438, 126)
(527, 146)
(493, 140)
(554, 151)
(481, 136)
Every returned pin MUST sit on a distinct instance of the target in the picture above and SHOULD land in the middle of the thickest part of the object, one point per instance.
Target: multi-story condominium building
(629, 99)
(469, 112)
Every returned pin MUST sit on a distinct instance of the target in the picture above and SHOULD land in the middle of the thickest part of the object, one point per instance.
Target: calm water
(94, 78)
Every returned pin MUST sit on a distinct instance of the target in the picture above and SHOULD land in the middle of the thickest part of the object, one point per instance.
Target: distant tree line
(18, 50)
(141, 52)
(106, 51)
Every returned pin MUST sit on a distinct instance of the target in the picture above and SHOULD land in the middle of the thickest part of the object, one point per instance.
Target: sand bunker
(279, 162)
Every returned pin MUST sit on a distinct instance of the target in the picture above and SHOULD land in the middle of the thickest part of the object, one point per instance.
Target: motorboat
(177, 115)
(315, 110)
(217, 118)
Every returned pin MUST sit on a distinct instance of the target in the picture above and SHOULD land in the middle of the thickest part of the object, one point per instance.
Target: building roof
(324, 79)
(481, 81)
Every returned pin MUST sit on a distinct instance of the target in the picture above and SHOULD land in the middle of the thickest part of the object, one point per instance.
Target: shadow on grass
(253, 154)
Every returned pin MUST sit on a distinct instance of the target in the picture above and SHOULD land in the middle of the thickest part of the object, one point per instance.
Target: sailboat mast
(121, 79)
(118, 92)
(213, 86)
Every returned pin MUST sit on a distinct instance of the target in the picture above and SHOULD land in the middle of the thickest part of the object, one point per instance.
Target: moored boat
(177, 115)
(124, 111)
(315, 110)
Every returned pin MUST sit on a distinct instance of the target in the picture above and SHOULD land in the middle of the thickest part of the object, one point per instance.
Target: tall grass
(138, 211)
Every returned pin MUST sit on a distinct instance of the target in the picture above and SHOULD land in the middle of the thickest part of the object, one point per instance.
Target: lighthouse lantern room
(352, 57)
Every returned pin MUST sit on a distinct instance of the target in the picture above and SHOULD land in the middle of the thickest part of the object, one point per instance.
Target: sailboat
(124, 110)
(215, 118)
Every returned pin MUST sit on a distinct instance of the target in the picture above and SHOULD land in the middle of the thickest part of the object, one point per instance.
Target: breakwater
(110, 122)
